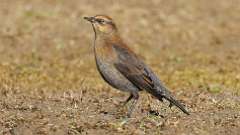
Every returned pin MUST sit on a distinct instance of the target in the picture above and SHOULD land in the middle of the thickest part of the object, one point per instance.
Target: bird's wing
(134, 69)
(141, 76)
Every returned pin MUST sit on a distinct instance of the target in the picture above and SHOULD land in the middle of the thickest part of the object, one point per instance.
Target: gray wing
(142, 76)
(135, 70)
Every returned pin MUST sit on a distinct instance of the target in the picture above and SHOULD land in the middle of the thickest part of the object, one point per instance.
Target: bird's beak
(90, 19)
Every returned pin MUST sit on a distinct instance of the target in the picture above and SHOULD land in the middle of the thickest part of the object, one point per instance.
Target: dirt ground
(49, 83)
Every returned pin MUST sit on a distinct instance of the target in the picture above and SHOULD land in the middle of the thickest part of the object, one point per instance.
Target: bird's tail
(166, 94)
(175, 102)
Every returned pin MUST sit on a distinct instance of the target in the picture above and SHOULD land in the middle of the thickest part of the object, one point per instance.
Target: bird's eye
(101, 21)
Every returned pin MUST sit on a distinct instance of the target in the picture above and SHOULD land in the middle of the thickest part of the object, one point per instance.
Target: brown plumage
(121, 67)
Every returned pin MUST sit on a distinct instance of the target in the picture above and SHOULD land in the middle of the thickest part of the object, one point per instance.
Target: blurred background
(49, 83)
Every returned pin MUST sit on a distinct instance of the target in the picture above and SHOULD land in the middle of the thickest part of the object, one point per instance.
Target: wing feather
(133, 69)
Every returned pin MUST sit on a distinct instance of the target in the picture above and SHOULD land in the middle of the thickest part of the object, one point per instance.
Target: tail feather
(162, 92)
(176, 103)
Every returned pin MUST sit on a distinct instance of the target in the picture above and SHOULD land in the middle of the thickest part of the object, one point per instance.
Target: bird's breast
(105, 58)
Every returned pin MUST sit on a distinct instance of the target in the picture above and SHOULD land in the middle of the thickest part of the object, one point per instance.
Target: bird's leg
(123, 103)
(128, 99)
(135, 97)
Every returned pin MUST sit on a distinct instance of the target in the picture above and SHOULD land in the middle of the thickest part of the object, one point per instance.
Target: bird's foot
(124, 121)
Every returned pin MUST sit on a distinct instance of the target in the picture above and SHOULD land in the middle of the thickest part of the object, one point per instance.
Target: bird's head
(102, 24)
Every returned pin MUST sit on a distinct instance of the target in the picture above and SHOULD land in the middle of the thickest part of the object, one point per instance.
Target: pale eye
(101, 21)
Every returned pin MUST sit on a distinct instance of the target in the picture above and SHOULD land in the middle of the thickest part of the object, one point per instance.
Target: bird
(122, 68)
